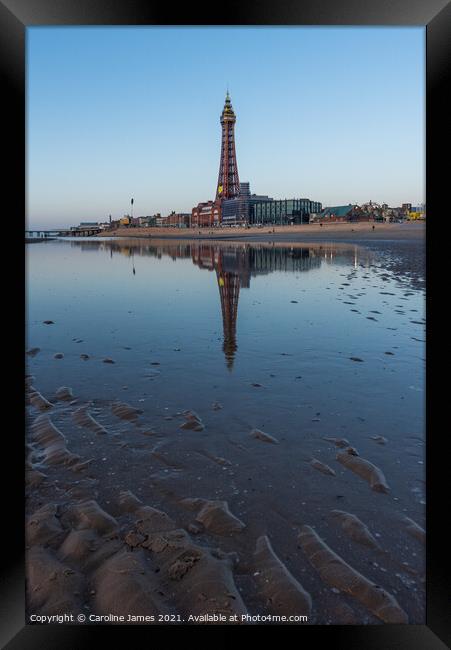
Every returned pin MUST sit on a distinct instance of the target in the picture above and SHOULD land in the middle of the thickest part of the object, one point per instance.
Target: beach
(193, 460)
(359, 231)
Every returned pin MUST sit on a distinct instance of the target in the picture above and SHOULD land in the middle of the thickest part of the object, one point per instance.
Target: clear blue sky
(331, 114)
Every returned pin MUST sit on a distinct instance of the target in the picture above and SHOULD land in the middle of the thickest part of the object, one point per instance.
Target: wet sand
(128, 516)
(181, 516)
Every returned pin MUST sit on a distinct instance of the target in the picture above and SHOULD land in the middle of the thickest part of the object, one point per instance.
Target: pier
(66, 232)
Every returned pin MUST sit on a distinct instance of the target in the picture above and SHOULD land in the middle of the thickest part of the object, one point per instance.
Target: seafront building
(177, 220)
(206, 214)
(284, 212)
(239, 210)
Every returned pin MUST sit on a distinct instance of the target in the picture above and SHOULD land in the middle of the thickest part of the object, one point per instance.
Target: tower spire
(228, 185)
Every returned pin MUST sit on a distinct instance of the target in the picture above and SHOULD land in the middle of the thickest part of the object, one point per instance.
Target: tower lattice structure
(229, 292)
(228, 186)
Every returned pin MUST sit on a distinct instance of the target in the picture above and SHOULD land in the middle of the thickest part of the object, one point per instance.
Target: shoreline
(357, 233)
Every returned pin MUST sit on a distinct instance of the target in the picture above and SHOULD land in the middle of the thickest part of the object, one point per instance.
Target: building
(337, 213)
(178, 220)
(283, 211)
(228, 186)
(145, 222)
(88, 225)
(417, 212)
(239, 209)
(206, 215)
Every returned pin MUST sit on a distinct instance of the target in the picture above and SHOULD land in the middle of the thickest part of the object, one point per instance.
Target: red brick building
(206, 215)
(177, 219)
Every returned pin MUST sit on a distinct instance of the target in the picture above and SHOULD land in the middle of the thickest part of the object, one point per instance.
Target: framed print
(227, 322)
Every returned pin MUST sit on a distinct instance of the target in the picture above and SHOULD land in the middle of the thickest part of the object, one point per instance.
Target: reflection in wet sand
(234, 265)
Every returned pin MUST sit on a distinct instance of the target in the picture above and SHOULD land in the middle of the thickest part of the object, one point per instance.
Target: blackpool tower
(228, 186)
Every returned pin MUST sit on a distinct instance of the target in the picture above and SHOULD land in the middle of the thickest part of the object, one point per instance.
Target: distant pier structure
(75, 231)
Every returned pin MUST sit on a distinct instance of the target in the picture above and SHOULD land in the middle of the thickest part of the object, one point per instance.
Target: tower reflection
(229, 291)
(234, 264)
(232, 267)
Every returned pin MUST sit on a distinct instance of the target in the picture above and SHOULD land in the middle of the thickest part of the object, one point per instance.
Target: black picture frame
(15, 17)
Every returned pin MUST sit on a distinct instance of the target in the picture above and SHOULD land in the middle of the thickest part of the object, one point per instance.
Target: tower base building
(206, 215)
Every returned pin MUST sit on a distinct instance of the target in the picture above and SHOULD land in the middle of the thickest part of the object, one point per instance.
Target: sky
(333, 114)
